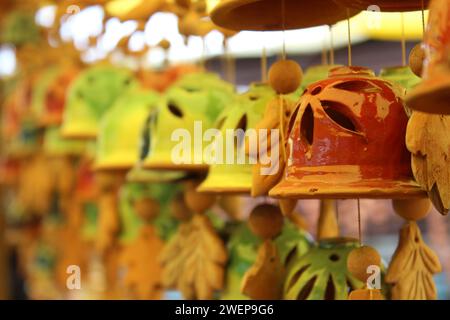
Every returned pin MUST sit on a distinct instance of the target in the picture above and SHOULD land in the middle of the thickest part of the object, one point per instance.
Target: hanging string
(282, 137)
(264, 65)
(203, 59)
(403, 39)
(324, 55)
(281, 100)
(337, 211)
(423, 17)
(331, 45)
(349, 39)
(359, 222)
(283, 23)
(230, 66)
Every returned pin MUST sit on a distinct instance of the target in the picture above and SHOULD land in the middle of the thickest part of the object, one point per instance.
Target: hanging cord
(264, 65)
(423, 17)
(324, 54)
(282, 137)
(281, 100)
(349, 39)
(403, 39)
(359, 222)
(283, 23)
(331, 45)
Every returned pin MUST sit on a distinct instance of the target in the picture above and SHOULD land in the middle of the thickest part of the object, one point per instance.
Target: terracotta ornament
(264, 280)
(355, 111)
(413, 264)
(412, 267)
(194, 260)
(268, 15)
(429, 143)
(433, 94)
(195, 257)
(144, 272)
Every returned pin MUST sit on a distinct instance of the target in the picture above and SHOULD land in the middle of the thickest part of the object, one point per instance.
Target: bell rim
(398, 189)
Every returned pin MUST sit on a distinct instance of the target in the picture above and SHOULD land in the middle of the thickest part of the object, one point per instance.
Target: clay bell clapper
(347, 140)
(270, 15)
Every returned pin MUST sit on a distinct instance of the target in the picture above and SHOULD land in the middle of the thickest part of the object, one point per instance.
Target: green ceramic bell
(244, 113)
(321, 273)
(401, 75)
(56, 145)
(243, 247)
(92, 93)
(316, 73)
(190, 107)
(120, 129)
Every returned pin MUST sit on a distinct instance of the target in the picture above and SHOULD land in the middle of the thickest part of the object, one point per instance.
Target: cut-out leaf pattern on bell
(357, 112)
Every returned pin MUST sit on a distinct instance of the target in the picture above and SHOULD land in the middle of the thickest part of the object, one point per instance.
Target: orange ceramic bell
(347, 140)
(433, 94)
(266, 15)
(386, 5)
(55, 97)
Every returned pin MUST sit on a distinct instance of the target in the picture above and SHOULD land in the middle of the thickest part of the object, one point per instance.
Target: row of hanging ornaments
(352, 135)
(351, 108)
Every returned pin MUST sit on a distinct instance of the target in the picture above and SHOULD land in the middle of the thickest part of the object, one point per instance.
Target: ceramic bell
(244, 113)
(347, 140)
(92, 93)
(402, 76)
(316, 73)
(40, 89)
(321, 273)
(120, 129)
(267, 15)
(433, 94)
(139, 174)
(195, 101)
(386, 5)
(55, 96)
(243, 246)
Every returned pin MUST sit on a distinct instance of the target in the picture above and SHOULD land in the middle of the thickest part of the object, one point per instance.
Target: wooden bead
(179, 209)
(198, 202)
(416, 58)
(360, 259)
(146, 208)
(164, 44)
(266, 221)
(412, 209)
(285, 76)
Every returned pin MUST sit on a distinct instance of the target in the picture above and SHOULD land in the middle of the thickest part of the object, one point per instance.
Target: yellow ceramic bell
(120, 130)
(190, 107)
(93, 92)
(245, 112)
